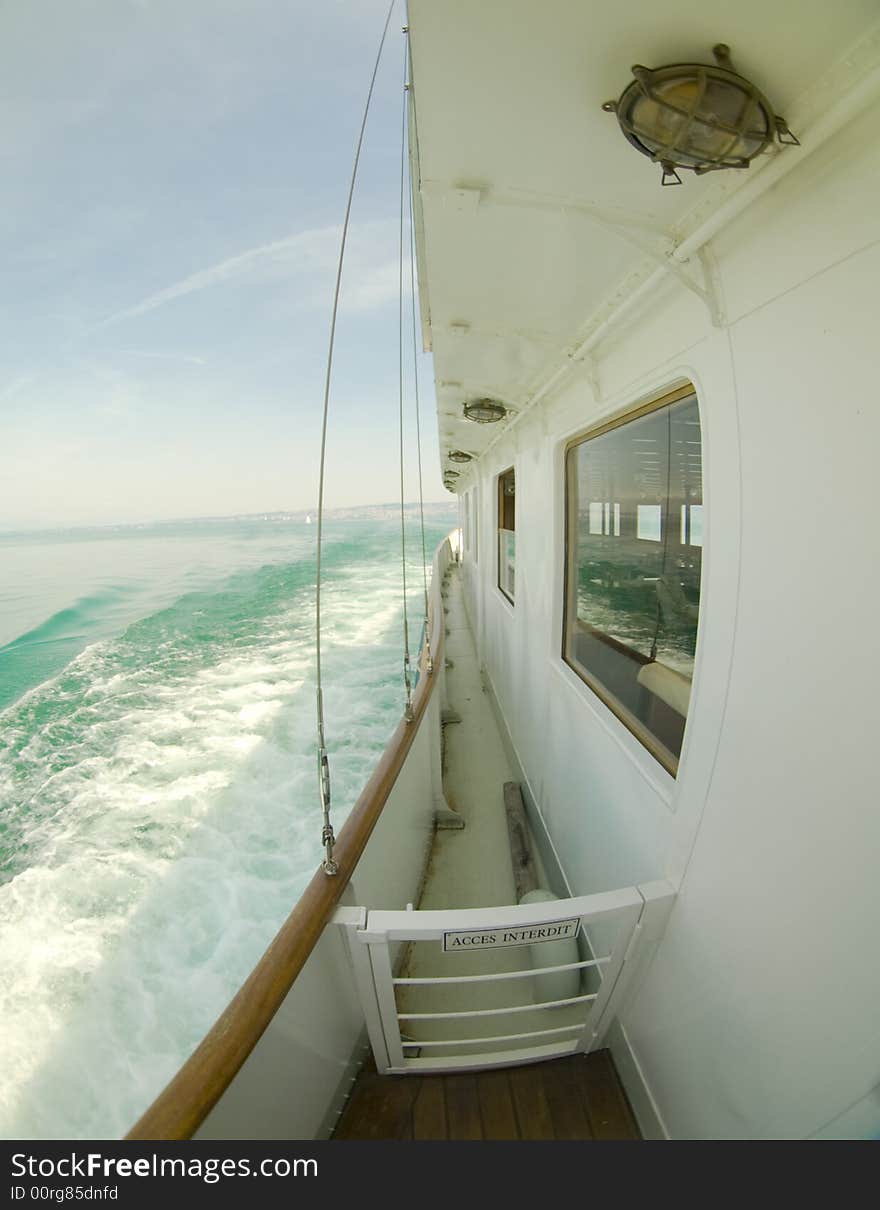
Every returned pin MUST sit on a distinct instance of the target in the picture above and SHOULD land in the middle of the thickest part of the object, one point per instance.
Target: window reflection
(507, 533)
(633, 585)
(649, 522)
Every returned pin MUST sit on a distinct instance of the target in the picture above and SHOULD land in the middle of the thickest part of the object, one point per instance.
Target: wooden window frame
(500, 505)
(635, 728)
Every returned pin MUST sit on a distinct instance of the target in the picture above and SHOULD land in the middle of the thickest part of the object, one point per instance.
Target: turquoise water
(158, 808)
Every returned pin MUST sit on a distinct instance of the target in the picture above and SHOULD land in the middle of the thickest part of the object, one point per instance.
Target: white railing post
(658, 898)
(627, 924)
(354, 920)
(383, 980)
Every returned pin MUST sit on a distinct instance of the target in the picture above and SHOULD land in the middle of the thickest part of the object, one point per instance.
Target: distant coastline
(368, 512)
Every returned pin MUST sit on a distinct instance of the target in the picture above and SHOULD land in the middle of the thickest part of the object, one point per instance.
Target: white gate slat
(383, 978)
(498, 1012)
(353, 920)
(658, 898)
(482, 1062)
(628, 921)
(532, 1033)
(398, 926)
(497, 976)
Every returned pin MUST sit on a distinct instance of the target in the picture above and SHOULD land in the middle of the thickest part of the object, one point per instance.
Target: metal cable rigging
(407, 675)
(429, 663)
(327, 837)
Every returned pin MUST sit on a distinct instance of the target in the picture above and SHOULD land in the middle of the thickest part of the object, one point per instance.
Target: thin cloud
(367, 284)
(295, 251)
(186, 358)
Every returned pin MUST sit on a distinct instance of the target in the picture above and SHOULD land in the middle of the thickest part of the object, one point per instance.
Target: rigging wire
(327, 837)
(429, 663)
(407, 679)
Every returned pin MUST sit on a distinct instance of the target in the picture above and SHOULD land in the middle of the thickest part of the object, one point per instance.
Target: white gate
(497, 993)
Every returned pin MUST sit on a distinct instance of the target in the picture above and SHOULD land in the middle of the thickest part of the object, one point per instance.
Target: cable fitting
(324, 775)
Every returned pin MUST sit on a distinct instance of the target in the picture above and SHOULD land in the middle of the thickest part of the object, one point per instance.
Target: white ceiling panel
(535, 208)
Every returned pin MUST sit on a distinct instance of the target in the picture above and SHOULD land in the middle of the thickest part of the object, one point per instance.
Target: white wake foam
(164, 850)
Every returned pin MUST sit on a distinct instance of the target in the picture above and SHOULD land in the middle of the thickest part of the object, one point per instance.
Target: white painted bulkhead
(757, 1016)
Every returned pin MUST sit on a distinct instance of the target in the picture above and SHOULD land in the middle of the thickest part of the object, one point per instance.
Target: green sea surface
(158, 805)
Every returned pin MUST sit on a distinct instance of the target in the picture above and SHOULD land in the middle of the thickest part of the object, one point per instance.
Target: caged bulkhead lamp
(484, 411)
(697, 116)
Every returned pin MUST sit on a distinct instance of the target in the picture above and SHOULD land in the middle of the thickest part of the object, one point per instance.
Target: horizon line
(36, 527)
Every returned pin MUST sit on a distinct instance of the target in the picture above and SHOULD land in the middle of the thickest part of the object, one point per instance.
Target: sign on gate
(490, 939)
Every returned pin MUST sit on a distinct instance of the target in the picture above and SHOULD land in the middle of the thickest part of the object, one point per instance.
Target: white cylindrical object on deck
(561, 985)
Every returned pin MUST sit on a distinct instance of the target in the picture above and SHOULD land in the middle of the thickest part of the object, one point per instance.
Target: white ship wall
(771, 830)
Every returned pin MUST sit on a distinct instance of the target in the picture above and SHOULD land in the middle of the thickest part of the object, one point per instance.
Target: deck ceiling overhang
(534, 214)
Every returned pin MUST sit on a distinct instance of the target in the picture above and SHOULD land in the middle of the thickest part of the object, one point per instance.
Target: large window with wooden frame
(507, 533)
(634, 538)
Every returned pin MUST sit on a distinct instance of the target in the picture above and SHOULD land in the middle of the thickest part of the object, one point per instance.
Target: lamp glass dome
(697, 122)
(485, 411)
(697, 116)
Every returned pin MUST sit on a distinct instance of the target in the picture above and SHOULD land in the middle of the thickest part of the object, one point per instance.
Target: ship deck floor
(470, 868)
(578, 1097)
(574, 1097)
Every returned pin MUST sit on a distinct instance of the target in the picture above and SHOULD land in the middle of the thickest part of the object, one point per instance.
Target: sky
(174, 181)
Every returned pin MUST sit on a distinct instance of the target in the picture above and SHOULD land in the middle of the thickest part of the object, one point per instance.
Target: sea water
(159, 814)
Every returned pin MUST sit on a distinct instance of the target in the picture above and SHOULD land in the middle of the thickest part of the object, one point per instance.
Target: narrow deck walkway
(575, 1097)
(470, 868)
(579, 1097)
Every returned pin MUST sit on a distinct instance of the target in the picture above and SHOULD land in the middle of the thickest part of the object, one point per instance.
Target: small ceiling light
(484, 411)
(699, 117)
(459, 456)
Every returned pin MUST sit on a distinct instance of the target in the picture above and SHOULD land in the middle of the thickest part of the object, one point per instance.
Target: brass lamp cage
(697, 116)
(484, 411)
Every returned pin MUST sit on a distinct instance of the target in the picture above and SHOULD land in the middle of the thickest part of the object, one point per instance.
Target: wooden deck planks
(579, 1097)
(383, 1108)
(530, 1102)
(429, 1111)
(462, 1107)
(606, 1104)
(496, 1105)
(562, 1087)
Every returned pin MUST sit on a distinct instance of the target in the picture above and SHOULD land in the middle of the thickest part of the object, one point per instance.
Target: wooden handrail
(615, 644)
(190, 1096)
